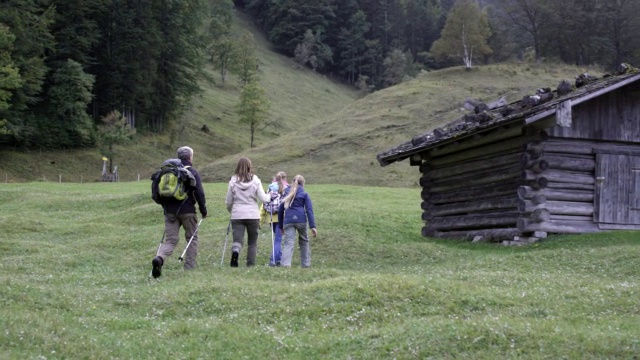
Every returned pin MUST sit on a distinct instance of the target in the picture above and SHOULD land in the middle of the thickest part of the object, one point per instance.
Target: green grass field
(75, 262)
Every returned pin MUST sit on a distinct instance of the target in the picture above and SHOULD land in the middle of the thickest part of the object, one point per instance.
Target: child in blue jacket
(294, 212)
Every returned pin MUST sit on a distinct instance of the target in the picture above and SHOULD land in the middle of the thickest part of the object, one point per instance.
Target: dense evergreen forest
(87, 73)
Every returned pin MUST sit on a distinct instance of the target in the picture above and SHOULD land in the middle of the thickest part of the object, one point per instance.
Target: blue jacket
(300, 211)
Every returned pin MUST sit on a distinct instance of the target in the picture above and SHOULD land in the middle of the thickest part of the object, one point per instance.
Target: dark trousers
(251, 226)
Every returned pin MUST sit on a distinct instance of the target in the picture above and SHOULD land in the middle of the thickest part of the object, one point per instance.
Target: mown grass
(75, 261)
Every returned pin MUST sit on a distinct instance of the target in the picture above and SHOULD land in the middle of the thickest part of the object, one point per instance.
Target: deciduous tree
(113, 130)
(464, 35)
(245, 63)
(252, 108)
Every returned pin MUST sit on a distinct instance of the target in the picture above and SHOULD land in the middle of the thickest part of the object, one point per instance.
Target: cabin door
(617, 191)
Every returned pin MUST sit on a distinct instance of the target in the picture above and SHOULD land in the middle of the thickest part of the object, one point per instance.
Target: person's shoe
(234, 259)
(156, 271)
(277, 263)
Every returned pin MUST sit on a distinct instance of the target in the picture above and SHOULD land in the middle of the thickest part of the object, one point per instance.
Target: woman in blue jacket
(294, 212)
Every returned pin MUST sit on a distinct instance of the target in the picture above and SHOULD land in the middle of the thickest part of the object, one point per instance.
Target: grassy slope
(322, 130)
(75, 260)
(342, 148)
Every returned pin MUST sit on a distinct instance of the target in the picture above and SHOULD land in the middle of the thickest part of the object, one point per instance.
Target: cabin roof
(526, 111)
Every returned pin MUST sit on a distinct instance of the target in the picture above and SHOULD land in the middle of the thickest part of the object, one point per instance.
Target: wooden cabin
(560, 161)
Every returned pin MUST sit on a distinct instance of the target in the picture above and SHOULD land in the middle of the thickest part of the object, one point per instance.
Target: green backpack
(170, 182)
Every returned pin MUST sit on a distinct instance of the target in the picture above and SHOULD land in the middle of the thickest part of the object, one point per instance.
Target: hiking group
(177, 186)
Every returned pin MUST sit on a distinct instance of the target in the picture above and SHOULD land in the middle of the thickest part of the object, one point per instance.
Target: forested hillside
(130, 80)
(377, 43)
(209, 123)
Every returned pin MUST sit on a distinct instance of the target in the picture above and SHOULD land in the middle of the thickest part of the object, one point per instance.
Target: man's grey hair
(185, 153)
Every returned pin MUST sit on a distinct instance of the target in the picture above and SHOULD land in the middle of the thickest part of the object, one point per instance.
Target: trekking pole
(189, 243)
(273, 243)
(225, 242)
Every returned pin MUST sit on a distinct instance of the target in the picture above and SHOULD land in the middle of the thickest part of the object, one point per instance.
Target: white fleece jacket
(242, 198)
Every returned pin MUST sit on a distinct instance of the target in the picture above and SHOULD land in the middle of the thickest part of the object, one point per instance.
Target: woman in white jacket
(245, 189)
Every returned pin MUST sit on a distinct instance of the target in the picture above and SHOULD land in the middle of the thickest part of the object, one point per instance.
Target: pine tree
(9, 75)
(29, 22)
(69, 124)
(352, 45)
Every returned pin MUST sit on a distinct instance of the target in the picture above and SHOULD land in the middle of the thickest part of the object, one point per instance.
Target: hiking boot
(277, 263)
(234, 259)
(156, 271)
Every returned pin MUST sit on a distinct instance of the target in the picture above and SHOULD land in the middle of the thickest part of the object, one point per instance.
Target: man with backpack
(179, 210)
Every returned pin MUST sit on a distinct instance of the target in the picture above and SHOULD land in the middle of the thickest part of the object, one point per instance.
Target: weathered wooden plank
(493, 162)
(563, 114)
(558, 207)
(489, 178)
(502, 203)
(499, 219)
(502, 147)
(569, 186)
(474, 175)
(570, 208)
(527, 192)
(559, 218)
(568, 147)
(559, 227)
(474, 192)
(571, 163)
(560, 176)
(587, 147)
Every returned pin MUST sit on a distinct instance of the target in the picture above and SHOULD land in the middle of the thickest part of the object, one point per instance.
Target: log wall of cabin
(515, 187)
(564, 201)
(470, 188)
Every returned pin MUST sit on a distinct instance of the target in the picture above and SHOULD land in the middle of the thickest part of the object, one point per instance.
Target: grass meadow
(75, 262)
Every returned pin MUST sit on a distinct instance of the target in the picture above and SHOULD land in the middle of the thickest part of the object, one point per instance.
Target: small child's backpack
(276, 199)
(170, 182)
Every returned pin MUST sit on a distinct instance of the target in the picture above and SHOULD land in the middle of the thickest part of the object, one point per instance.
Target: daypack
(276, 199)
(170, 182)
